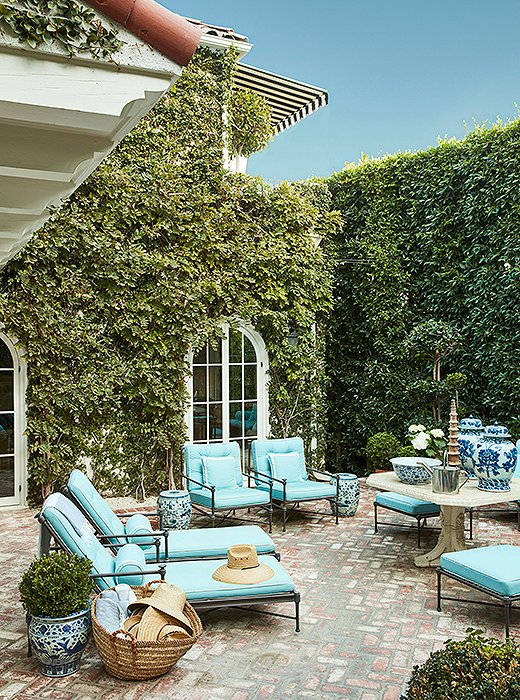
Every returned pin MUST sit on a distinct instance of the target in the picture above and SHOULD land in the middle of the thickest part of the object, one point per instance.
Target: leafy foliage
(430, 235)
(475, 668)
(68, 23)
(56, 585)
(381, 448)
(145, 261)
(249, 122)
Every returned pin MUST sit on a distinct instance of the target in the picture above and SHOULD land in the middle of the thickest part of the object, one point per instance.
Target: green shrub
(381, 447)
(475, 668)
(56, 585)
(406, 451)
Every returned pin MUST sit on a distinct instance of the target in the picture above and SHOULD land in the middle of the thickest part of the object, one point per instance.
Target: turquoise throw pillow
(219, 472)
(130, 558)
(286, 466)
(139, 524)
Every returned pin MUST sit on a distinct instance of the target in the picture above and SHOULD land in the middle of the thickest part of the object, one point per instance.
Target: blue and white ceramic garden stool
(348, 494)
(174, 509)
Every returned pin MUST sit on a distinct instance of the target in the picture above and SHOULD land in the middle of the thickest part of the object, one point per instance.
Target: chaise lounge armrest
(161, 570)
(155, 534)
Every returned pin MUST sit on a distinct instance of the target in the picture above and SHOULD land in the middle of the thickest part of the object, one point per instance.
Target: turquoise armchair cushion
(99, 512)
(405, 504)
(193, 454)
(231, 498)
(138, 524)
(286, 466)
(130, 558)
(497, 568)
(219, 472)
(303, 491)
(261, 449)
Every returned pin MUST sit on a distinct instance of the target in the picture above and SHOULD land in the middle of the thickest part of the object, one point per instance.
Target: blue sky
(399, 74)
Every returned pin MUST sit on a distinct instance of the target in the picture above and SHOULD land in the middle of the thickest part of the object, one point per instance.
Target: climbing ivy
(69, 24)
(145, 261)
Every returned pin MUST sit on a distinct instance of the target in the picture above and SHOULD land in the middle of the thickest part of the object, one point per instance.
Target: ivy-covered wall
(155, 250)
(431, 235)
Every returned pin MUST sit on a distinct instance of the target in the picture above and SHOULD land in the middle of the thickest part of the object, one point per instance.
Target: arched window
(228, 390)
(12, 425)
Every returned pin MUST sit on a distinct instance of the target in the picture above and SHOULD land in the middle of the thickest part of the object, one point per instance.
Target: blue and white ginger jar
(174, 508)
(348, 494)
(59, 642)
(496, 459)
(470, 434)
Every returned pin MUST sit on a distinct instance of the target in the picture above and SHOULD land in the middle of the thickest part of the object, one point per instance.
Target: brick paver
(368, 615)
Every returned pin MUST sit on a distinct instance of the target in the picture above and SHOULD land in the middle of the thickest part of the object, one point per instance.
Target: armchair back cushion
(193, 464)
(285, 466)
(219, 472)
(261, 449)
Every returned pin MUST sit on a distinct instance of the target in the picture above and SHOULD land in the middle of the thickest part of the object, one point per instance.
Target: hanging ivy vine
(67, 23)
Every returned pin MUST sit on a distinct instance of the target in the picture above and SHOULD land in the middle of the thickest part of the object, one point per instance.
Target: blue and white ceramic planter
(496, 459)
(59, 642)
(348, 494)
(174, 508)
(470, 434)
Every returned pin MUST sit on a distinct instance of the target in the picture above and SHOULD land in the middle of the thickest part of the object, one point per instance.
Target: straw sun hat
(159, 616)
(243, 566)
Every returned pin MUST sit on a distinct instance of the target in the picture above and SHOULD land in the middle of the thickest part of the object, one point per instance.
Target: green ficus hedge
(430, 235)
(146, 260)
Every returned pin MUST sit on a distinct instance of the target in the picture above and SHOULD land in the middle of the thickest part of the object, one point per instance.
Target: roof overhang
(290, 100)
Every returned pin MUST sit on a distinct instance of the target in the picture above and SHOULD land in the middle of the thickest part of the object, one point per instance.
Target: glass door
(9, 477)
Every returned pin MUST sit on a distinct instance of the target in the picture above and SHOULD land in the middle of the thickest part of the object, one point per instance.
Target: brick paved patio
(368, 615)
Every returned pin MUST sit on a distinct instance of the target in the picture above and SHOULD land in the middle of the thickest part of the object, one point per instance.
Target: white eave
(59, 117)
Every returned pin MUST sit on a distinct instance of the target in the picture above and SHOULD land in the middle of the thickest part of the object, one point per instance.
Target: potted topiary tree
(55, 591)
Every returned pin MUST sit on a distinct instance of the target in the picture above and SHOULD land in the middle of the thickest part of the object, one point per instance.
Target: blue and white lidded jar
(348, 494)
(174, 509)
(470, 434)
(496, 459)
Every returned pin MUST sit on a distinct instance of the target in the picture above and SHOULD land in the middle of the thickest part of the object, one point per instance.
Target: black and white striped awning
(290, 100)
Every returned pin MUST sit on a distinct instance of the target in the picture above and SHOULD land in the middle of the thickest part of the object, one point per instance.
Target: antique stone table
(451, 538)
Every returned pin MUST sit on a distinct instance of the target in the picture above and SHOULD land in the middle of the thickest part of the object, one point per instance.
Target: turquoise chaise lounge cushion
(213, 542)
(97, 508)
(231, 498)
(496, 568)
(405, 504)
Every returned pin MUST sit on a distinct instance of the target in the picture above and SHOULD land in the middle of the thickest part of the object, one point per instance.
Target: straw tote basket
(127, 658)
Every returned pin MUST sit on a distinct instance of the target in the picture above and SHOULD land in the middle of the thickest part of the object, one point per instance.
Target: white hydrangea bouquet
(430, 443)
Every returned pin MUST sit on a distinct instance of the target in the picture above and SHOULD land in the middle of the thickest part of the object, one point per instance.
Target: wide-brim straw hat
(243, 567)
(167, 599)
(155, 625)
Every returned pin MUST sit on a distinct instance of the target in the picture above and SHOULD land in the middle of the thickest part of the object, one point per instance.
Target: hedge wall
(155, 250)
(430, 235)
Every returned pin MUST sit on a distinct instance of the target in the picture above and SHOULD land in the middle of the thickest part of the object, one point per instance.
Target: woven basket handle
(133, 644)
(148, 586)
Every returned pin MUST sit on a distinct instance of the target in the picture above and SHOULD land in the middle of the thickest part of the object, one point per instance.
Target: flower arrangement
(431, 443)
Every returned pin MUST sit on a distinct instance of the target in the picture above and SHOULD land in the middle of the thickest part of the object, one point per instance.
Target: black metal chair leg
(375, 517)
(297, 610)
(438, 590)
(471, 523)
(29, 648)
(284, 510)
(507, 615)
(418, 533)
(270, 519)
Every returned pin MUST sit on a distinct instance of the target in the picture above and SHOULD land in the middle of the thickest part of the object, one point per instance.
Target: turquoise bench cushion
(410, 506)
(303, 490)
(496, 568)
(213, 542)
(231, 498)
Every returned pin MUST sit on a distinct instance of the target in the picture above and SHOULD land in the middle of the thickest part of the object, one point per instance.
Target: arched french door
(12, 426)
(228, 391)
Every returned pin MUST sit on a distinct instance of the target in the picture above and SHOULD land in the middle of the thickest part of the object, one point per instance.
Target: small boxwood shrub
(56, 585)
(381, 447)
(475, 668)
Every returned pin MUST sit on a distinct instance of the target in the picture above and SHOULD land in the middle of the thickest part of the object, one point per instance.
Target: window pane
(250, 416)
(215, 421)
(249, 351)
(199, 384)
(200, 419)
(200, 357)
(215, 383)
(236, 419)
(6, 434)
(6, 391)
(250, 382)
(6, 477)
(5, 356)
(235, 382)
(215, 352)
(235, 346)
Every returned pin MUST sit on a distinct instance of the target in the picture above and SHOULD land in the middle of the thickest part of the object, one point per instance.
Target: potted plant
(55, 591)
(475, 667)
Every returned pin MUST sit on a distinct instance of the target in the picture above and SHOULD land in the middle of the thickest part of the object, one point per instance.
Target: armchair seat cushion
(303, 490)
(496, 568)
(405, 504)
(213, 541)
(238, 497)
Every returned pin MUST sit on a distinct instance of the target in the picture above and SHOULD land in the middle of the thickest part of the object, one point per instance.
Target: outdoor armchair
(215, 482)
(63, 523)
(159, 545)
(280, 465)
